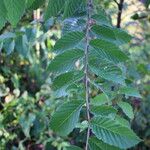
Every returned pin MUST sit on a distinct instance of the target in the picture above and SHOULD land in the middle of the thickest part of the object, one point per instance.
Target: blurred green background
(26, 97)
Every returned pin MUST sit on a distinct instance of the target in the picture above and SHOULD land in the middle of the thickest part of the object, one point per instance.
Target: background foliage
(29, 94)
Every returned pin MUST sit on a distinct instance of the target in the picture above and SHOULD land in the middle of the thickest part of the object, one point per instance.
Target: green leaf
(3, 13)
(3, 10)
(15, 10)
(96, 144)
(107, 70)
(53, 8)
(127, 109)
(73, 148)
(65, 61)
(9, 46)
(69, 41)
(22, 46)
(7, 36)
(122, 121)
(66, 117)
(67, 79)
(29, 3)
(108, 51)
(110, 132)
(26, 122)
(82, 125)
(116, 36)
(71, 7)
(105, 32)
(122, 36)
(109, 89)
(100, 100)
(101, 18)
(129, 91)
(35, 4)
(2, 22)
(103, 110)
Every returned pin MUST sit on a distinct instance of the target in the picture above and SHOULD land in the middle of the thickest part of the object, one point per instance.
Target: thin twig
(116, 2)
(120, 8)
(86, 70)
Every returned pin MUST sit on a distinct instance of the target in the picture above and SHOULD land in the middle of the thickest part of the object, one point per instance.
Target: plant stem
(89, 9)
(120, 8)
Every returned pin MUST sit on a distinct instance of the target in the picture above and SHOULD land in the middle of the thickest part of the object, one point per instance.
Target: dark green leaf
(127, 109)
(66, 117)
(107, 70)
(107, 50)
(29, 3)
(3, 13)
(65, 61)
(116, 36)
(68, 41)
(129, 91)
(26, 122)
(103, 110)
(53, 8)
(102, 18)
(110, 132)
(100, 100)
(71, 7)
(122, 121)
(15, 10)
(67, 79)
(96, 144)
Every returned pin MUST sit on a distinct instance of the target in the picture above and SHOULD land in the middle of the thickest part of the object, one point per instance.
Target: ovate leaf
(66, 117)
(104, 32)
(103, 110)
(65, 61)
(101, 18)
(96, 144)
(122, 121)
(122, 36)
(53, 8)
(15, 10)
(112, 133)
(69, 41)
(114, 35)
(107, 70)
(100, 100)
(67, 79)
(127, 109)
(71, 7)
(108, 50)
(129, 91)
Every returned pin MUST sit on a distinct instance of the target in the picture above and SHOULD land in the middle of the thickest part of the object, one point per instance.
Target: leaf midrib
(113, 131)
